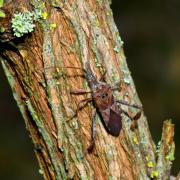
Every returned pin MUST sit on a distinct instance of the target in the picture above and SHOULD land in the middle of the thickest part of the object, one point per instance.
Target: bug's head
(104, 96)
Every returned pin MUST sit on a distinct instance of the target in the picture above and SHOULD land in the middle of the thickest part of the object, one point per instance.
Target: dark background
(151, 33)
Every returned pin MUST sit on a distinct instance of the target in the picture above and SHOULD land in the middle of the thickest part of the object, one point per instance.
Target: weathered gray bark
(35, 66)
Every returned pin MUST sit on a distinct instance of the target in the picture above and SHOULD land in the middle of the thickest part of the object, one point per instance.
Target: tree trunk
(69, 34)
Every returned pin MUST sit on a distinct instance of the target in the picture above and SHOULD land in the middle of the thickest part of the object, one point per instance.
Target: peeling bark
(35, 66)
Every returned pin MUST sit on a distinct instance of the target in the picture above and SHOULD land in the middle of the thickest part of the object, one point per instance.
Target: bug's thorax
(103, 96)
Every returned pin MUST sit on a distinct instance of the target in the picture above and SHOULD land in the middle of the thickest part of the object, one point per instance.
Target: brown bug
(106, 105)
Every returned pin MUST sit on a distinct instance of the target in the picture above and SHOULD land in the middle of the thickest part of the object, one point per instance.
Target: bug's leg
(134, 119)
(116, 86)
(71, 67)
(85, 101)
(79, 107)
(127, 114)
(80, 91)
(130, 105)
(90, 148)
(102, 78)
(134, 124)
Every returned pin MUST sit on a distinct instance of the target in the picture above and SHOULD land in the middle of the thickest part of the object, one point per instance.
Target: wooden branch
(178, 176)
(166, 150)
(70, 34)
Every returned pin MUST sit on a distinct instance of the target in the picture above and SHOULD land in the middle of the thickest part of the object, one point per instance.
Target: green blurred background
(151, 33)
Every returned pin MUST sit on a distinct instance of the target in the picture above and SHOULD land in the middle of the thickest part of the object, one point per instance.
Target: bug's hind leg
(134, 119)
(79, 106)
(134, 124)
(130, 105)
(90, 148)
(102, 78)
(80, 91)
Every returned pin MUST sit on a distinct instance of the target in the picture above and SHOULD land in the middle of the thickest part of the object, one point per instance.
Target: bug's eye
(104, 95)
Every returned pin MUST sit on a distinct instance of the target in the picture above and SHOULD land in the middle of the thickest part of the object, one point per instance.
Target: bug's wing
(115, 124)
(112, 119)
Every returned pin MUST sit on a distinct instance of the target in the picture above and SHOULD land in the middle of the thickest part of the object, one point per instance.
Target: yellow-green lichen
(116, 49)
(170, 155)
(41, 171)
(109, 13)
(135, 140)
(154, 174)
(118, 43)
(22, 23)
(147, 158)
(41, 15)
(114, 76)
(2, 14)
(39, 9)
(52, 26)
(150, 164)
(2, 29)
(126, 77)
(158, 147)
(1, 3)
(98, 64)
(44, 15)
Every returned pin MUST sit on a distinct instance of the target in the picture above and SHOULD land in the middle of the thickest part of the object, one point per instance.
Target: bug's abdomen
(115, 123)
(112, 119)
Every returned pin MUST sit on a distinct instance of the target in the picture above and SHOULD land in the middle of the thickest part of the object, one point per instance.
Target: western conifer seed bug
(106, 105)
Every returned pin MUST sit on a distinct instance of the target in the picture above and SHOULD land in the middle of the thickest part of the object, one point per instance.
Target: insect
(106, 105)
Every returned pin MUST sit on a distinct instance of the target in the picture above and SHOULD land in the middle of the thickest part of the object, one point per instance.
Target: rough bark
(35, 66)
